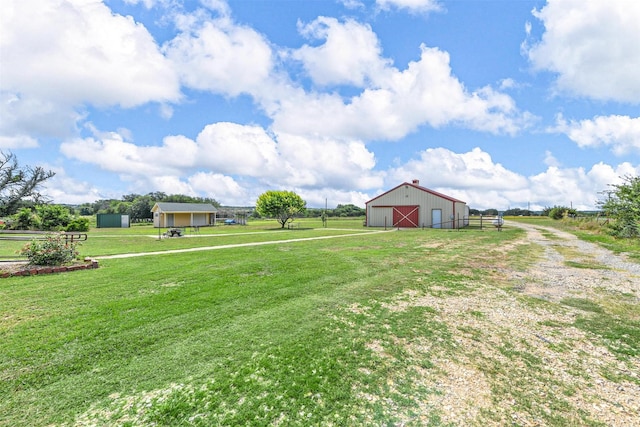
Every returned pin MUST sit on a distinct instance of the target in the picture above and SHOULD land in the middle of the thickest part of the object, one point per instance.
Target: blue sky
(501, 104)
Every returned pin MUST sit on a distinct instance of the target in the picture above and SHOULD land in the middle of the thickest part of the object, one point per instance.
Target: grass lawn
(301, 333)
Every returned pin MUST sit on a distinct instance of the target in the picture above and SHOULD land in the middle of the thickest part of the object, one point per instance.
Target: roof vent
(416, 182)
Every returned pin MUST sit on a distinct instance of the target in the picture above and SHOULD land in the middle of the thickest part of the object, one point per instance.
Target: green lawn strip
(96, 246)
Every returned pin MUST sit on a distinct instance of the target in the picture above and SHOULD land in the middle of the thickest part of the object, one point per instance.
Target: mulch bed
(25, 269)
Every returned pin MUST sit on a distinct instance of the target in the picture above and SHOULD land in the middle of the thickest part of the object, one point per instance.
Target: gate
(405, 216)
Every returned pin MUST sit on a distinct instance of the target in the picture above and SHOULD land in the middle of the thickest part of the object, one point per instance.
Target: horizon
(497, 103)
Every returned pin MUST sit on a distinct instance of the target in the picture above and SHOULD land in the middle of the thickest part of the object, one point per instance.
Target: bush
(624, 228)
(53, 217)
(52, 250)
(24, 219)
(78, 224)
(623, 207)
(561, 212)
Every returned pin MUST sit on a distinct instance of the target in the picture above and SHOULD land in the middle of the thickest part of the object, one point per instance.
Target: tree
(349, 210)
(141, 209)
(18, 183)
(623, 206)
(517, 212)
(561, 212)
(281, 205)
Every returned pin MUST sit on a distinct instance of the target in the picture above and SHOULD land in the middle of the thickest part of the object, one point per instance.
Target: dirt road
(575, 268)
(518, 360)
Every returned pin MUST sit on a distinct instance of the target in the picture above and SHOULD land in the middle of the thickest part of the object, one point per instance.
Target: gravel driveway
(526, 361)
(552, 279)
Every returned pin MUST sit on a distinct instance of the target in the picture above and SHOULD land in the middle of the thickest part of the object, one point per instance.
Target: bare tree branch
(18, 183)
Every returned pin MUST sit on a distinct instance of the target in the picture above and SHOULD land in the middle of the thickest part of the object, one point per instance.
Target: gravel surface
(518, 362)
(551, 278)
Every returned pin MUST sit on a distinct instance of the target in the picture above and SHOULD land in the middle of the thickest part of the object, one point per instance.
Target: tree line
(138, 206)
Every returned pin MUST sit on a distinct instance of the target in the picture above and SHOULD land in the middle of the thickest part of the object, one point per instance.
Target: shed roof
(169, 207)
(421, 188)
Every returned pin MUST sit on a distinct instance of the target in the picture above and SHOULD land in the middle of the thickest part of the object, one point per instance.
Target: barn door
(405, 216)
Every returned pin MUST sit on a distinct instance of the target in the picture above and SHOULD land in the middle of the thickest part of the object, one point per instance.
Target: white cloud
(219, 56)
(575, 187)
(18, 141)
(111, 152)
(58, 56)
(317, 198)
(439, 168)
(227, 150)
(476, 179)
(225, 188)
(352, 4)
(236, 149)
(413, 6)
(147, 3)
(35, 117)
(550, 159)
(620, 133)
(401, 101)
(351, 53)
(326, 162)
(592, 46)
(64, 189)
(68, 52)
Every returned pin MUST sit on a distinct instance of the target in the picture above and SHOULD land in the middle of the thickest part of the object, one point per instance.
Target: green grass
(299, 333)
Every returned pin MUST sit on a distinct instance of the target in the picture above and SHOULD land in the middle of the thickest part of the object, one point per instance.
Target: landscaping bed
(11, 269)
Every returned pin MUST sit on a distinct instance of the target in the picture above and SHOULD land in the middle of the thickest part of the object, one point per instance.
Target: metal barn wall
(376, 216)
(407, 195)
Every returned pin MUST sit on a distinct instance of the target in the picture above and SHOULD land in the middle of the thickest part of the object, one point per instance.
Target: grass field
(314, 332)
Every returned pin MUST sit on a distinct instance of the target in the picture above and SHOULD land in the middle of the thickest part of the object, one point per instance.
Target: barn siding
(411, 195)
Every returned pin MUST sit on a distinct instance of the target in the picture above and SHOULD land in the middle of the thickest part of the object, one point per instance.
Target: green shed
(112, 221)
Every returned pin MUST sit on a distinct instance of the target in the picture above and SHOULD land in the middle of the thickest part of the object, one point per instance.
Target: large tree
(18, 183)
(623, 207)
(281, 205)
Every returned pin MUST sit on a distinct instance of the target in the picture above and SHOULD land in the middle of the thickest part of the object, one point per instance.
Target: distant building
(410, 206)
(167, 214)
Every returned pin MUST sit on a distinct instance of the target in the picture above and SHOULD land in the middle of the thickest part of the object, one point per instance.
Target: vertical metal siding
(406, 195)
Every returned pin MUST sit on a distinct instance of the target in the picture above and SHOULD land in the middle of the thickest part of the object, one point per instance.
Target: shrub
(625, 228)
(52, 250)
(560, 212)
(24, 219)
(78, 224)
(623, 207)
(53, 217)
